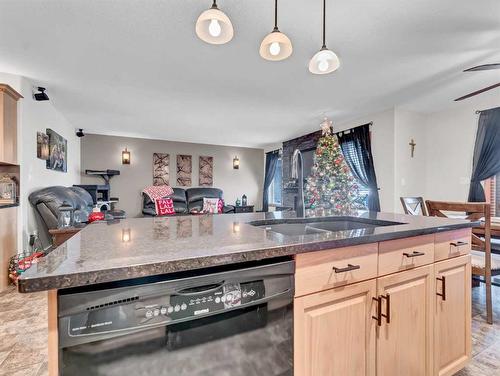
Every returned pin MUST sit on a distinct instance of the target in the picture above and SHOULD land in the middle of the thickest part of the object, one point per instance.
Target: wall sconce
(125, 156)
(126, 235)
(236, 163)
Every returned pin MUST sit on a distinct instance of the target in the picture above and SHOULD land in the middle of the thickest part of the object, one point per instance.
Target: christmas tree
(331, 186)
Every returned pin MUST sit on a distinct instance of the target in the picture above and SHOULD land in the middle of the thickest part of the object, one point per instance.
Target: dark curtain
(486, 160)
(357, 150)
(271, 161)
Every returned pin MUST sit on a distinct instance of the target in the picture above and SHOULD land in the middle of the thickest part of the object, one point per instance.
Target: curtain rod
(493, 108)
(350, 129)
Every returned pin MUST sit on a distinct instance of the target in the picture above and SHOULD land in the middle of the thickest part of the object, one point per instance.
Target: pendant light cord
(275, 15)
(214, 5)
(324, 21)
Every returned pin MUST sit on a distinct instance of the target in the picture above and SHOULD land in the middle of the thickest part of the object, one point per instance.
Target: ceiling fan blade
(483, 67)
(478, 92)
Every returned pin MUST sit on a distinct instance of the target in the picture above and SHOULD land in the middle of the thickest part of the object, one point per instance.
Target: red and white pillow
(212, 205)
(164, 206)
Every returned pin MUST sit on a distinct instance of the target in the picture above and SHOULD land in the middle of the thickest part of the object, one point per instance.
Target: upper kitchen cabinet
(8, 124)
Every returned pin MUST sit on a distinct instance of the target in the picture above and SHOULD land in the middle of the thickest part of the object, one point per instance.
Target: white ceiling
(136, 67)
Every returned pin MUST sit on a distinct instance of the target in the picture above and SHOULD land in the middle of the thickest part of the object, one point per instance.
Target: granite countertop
(138, 247)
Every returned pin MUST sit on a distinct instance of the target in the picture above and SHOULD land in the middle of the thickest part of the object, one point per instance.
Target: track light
(80, 133)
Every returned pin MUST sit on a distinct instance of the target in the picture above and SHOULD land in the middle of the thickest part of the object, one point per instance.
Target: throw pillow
(210, 205)
(164, 206)
(220, 206)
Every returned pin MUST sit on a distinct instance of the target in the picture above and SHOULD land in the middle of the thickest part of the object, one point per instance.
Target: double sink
(310, 226)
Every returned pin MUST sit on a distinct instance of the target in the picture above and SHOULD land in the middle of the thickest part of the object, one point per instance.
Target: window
(274, 193)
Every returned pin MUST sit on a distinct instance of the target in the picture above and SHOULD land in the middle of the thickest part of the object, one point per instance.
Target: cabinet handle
(459, 244)
(414, 254)
(378, 317)
(443, 289)
(348, 268)
(387, 315)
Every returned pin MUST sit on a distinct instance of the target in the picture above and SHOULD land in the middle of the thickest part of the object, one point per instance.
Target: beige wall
(409, 172)
(36, 116)
(450, 139)
(104, 152)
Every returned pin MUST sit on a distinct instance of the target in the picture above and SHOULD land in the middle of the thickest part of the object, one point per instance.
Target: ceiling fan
(481, 68)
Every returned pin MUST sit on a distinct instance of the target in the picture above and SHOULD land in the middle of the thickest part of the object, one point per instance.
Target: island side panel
(53, 340)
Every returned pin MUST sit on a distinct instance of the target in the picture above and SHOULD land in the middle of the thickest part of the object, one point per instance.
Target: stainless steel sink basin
(309, 226)
(293, 229)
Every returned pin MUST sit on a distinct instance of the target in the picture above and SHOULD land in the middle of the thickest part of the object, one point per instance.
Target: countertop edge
(30, 285)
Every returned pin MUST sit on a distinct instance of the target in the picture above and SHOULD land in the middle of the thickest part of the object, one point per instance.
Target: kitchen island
(385, 299)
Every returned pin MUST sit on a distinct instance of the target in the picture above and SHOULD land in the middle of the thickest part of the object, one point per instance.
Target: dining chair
(484, 263)
(413, 205)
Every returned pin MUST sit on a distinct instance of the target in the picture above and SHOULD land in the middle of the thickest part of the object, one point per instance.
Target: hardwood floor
(23, 335)
(485, 337)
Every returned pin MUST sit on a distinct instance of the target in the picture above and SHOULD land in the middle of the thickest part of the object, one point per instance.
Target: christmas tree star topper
(326, 126)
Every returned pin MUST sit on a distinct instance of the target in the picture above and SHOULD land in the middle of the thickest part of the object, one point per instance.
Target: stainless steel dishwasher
(234, 322)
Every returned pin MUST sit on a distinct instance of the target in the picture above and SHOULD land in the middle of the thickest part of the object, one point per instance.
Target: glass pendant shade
(324, 61)
(275, 46)
(214, 26)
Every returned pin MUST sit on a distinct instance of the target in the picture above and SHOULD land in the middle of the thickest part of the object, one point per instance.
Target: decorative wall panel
(161, 169)
(206, 175)
(184, 170)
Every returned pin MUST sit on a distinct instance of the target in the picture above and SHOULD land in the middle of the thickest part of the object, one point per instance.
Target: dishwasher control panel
(192, 303)
(186, 304)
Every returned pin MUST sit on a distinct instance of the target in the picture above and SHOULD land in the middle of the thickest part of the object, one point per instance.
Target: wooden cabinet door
(452, 334)
(8, 242)
(405, 340)
(334, 333)
(8, 125)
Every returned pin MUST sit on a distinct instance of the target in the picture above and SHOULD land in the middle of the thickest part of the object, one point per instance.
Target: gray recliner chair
(47, 202)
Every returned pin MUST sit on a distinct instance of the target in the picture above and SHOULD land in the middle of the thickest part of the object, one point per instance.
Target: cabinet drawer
(323, 270)
(402, 254)
(452, 244)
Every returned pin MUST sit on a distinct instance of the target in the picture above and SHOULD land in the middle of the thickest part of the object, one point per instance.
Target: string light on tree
(331, 187)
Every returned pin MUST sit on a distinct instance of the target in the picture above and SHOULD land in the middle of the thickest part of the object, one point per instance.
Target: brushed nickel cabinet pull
(378, 317)
(348, 268)
(443, 288)
(459, 244)
(414, 254)
(387, 315)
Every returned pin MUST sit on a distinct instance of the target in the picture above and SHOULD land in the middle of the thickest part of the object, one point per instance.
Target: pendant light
(214, 26)
(275, 46)
(324, 61)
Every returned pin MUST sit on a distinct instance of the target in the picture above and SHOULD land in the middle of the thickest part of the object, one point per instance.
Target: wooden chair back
(413, 205)
(473, 211)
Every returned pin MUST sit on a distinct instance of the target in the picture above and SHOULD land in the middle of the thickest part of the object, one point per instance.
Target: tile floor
(23, 335)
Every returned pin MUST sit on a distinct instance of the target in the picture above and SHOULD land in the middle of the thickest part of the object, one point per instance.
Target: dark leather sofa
(186, 200)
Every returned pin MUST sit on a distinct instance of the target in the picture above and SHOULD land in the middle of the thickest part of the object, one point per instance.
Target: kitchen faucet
(298, 173)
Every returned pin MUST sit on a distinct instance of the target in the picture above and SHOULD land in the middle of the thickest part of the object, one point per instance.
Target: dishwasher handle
(194, 291)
